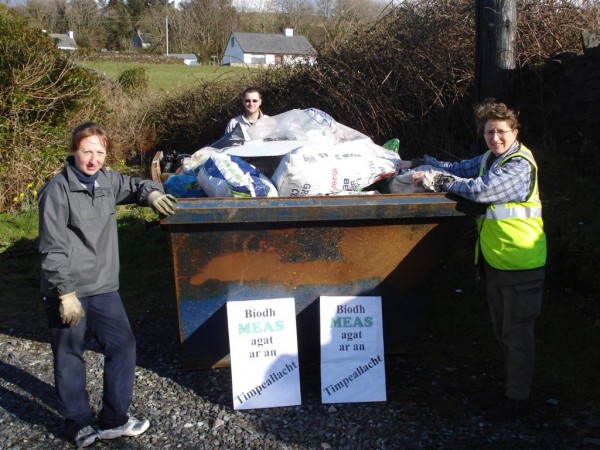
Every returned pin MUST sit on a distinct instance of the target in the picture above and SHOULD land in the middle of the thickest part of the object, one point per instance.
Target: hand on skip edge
(162, 203)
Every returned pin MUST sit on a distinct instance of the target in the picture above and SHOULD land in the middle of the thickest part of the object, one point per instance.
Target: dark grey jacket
(78, 239)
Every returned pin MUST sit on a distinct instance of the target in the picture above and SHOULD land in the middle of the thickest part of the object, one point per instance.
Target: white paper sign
(264, 353)
(352, 353)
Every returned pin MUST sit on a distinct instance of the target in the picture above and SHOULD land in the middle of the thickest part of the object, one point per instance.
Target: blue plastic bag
(230, 176)
(183, 186)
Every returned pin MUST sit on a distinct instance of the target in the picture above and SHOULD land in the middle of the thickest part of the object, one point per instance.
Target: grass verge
(168, 77)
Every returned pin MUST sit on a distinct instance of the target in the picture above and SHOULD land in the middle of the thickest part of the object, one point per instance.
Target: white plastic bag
(198, 158)
(403, 182)
(329, 170)
(309, 124)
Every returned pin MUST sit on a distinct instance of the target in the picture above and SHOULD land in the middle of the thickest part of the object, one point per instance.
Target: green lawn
(167, 77)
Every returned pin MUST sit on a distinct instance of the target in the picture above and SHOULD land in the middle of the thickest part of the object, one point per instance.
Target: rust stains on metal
(328, 255)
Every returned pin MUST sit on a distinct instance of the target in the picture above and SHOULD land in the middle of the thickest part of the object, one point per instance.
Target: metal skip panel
(219, 257)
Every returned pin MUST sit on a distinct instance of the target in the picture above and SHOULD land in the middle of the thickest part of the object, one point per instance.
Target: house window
(279, 60)
(232, 41)
(258, 59)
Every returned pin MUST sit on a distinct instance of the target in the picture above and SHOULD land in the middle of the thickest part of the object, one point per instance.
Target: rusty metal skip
(236, 249)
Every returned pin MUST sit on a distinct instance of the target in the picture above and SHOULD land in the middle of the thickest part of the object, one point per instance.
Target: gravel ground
(429, 404)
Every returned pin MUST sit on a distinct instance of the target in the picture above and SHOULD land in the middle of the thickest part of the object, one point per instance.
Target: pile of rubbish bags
(296, 153)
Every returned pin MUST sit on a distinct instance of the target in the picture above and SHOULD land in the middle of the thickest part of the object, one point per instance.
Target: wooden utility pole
(496, 49)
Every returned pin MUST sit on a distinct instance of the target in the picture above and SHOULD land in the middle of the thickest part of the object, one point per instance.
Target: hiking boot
(508, 408)
(86, 436)
(133, 427)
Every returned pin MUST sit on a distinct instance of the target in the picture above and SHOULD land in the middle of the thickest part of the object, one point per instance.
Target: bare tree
(48, 14)
(254, 6)
(84, 19)
(325, 7)
(296, 14)
(357, 10)
(293, 7)
(203, 26)
(348, 16)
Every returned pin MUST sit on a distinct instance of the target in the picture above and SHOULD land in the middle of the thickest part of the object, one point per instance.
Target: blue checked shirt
(510, 182)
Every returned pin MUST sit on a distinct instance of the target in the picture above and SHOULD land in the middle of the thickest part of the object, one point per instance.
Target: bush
(134, 81)
(411, 73)
(190, 120)
(39, 90)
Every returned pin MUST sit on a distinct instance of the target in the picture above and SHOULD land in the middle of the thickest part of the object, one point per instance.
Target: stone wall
(129, 57)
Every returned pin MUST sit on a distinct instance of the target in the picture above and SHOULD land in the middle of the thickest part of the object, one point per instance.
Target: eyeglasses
(250, 100)
(500, 133)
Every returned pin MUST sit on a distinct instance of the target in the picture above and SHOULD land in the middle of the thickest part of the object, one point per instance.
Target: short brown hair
(88, 129)
(250, 90)
(492, 110)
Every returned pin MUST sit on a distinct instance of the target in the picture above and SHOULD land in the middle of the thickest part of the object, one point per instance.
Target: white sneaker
(86, 436)
(133, 427)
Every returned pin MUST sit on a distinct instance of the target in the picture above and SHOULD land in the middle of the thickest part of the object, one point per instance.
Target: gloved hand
(417, 162)
(70, 309)
(411, 164)
(162, 203)
(433, 180)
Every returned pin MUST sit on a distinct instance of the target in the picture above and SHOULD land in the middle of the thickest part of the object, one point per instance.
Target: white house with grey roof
(64, 41)
(261, 49)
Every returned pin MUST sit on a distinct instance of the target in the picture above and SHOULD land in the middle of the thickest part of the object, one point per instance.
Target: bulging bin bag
(309, 124)
(333, 169)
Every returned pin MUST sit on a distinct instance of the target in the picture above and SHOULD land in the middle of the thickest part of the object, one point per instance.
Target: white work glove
(162, 203)
(70, 309)
(433, 180)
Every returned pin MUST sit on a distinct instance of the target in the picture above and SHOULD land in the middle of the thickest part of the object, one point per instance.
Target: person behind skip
(78, 245)
(251, 102)
(511, 242)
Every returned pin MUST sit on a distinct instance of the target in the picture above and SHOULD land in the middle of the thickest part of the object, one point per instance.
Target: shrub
(190, 120)
(134, 81)
(39, 90)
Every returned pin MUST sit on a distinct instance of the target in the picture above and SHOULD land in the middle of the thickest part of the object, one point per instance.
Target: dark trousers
(515, 302)
(107, 321)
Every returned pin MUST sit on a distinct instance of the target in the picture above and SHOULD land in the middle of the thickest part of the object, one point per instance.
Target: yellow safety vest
(511, 235)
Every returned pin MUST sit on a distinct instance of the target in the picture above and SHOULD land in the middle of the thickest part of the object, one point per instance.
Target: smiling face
(90, 155)
(499, 136)
(251, 103)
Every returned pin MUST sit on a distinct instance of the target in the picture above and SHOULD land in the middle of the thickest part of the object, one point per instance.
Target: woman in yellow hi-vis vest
(511, 241)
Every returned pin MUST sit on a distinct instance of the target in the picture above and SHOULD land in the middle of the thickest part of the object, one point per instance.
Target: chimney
(71, 35)
(289, 31)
